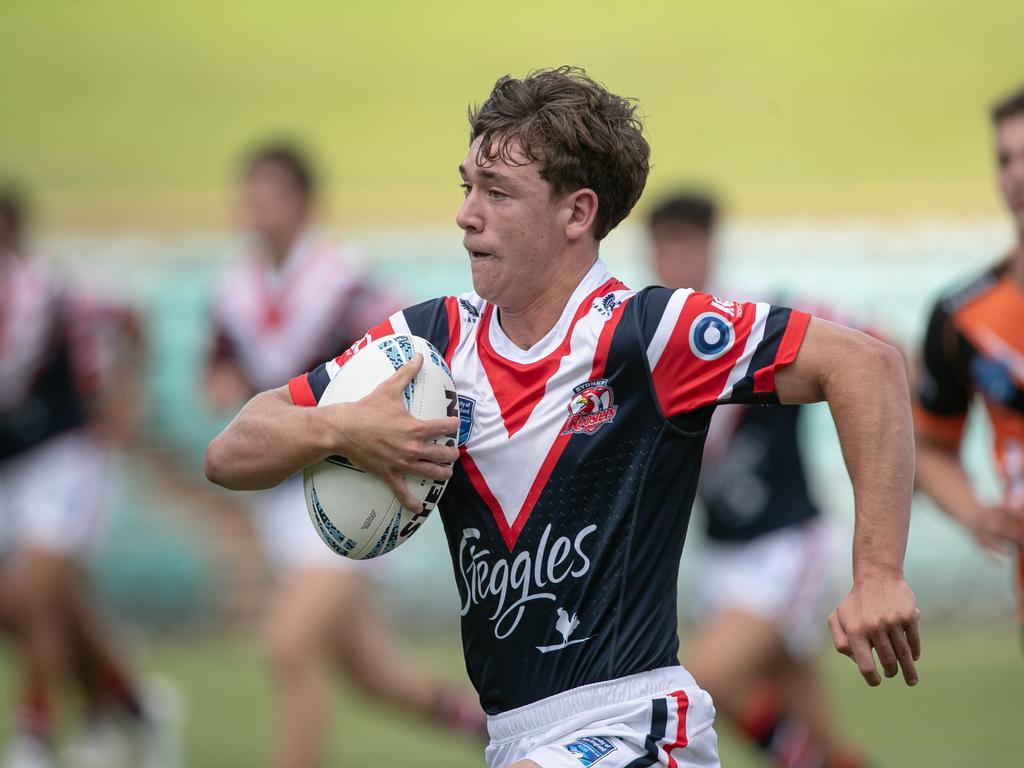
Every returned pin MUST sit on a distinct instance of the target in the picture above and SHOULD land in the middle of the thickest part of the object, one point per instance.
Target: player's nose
(468, 217)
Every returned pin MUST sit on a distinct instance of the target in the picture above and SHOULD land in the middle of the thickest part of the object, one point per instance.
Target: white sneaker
(158, 734)
(27, 751)
(119, 741)
(104, 742)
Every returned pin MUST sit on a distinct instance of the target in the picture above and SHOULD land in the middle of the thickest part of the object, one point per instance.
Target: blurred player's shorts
(787, 577)
(661, 717)
(288, 537)
(54, 497)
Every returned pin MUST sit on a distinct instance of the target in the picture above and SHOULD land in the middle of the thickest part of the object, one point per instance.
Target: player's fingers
(439, 454)
(839, 637)
(402, 493)
(431, 469)
(446, 427)
(886, 653)
(861, 651)
(901, 647)
(912, 630)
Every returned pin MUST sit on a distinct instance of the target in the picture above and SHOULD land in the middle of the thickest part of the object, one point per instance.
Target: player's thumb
(400, 380)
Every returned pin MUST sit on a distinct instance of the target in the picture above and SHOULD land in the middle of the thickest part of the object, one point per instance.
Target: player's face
(514, 229)
(682, 255)
(270, 204)
(1010, 161)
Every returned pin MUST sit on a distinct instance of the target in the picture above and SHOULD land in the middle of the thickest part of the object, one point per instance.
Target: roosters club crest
(591, 407)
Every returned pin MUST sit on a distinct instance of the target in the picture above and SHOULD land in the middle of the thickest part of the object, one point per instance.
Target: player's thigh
(732, 647)
(307, 609)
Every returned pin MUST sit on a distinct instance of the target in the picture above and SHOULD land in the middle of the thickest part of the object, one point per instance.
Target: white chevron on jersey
(279, 320)
(510, 461)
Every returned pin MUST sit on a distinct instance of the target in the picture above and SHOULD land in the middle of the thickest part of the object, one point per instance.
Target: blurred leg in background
(756, 649)
(325, 618)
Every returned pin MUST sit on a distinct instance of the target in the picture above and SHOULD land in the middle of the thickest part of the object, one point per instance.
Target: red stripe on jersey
(518, 387)
(682, 705)
(511, 533)
(301, 392)
(451, 305)
(379, 330)
(684, 382)
(792, 337)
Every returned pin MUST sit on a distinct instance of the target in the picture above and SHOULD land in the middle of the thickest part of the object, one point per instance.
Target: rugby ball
(355, 513)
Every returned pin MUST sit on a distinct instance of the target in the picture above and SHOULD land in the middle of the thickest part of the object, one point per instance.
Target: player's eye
(496, 195)
(1002, 159)
(465, 189)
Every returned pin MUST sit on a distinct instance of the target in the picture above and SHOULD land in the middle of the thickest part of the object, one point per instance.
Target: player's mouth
(477, 254)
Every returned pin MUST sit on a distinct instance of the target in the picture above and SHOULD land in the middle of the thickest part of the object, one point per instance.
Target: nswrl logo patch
(590, 749)
(467, 406)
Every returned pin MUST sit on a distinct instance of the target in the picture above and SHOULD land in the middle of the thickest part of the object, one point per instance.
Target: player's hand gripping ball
(355, 513)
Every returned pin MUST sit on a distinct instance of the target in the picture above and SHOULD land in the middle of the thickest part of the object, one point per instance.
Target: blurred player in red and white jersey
(765, 587)
(974, 345)
(67, 375)
(292, 299)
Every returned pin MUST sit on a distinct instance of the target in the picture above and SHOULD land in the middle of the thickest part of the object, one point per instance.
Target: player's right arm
(941, 402)
(272, 438)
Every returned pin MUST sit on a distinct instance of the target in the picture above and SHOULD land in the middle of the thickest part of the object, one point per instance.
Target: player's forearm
(267, 442)
(941, 475)
(870, 403)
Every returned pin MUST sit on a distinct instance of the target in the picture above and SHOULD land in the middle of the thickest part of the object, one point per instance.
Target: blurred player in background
(67, 397)
(764, 591)
(974, 345)
(291, 300)
(583, 408)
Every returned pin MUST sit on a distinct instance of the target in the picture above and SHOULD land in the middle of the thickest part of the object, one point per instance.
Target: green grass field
(965, 712)
(124, 115)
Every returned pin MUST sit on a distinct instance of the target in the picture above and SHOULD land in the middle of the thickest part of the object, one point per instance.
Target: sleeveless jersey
(568, 509)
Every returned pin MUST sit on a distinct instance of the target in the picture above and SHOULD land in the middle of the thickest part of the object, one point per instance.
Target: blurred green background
(130, 114)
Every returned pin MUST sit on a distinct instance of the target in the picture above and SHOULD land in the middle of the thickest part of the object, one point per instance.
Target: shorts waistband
(540, 715)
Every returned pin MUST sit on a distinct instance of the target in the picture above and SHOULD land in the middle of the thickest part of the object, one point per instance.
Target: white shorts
(786, 577)
(661, 717)
(53, 497)
(288, 537)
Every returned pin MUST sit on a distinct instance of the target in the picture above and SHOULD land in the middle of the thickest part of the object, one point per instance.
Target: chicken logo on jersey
(565, 625)
(591, 407)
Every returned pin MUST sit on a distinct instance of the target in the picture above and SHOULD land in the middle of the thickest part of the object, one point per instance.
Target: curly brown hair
(581, 134)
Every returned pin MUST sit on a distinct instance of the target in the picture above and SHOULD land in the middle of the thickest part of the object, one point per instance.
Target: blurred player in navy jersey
(974, 345)
(67, 389)
(583, 406)
(764, 591)
(293, 298)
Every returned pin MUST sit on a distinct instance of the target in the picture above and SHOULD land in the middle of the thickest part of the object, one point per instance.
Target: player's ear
(581, 211)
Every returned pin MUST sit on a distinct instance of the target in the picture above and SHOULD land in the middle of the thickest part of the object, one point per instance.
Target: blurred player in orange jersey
(66, 379)
(764, 590)
(974, 345)
(291, 299)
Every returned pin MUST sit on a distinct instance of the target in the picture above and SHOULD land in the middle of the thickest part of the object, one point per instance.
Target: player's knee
(289, 648)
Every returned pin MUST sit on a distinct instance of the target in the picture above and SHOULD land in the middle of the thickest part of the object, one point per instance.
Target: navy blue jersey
(568, 509)
(753, 480)
(39, 397)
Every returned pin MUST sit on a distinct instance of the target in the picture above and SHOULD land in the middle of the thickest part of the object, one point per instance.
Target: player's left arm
(864, 382)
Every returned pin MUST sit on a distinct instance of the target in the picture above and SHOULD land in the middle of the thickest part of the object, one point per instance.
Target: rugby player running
(975, 344)
(583, 407)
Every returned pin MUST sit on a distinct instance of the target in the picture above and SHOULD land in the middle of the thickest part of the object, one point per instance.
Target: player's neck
(279, 245)
(526, 326)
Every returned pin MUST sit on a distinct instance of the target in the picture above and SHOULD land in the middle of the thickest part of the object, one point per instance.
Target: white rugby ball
(355, 513)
